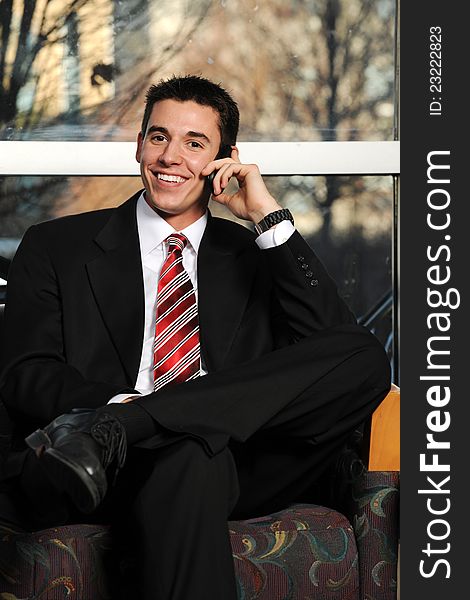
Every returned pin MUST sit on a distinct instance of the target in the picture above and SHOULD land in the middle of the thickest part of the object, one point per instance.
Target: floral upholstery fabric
(305, 552)
(373, 509)
(53, 564)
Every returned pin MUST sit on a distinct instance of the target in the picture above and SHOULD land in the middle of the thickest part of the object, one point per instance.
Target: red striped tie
(176, 347)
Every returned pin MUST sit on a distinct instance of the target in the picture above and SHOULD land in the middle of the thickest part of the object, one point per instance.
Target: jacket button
(309, 274)
(301, 258)
(314, 282)
(304, 266)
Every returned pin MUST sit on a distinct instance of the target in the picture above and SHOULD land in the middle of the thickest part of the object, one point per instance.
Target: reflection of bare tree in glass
(143, 46)
(30, 27)
(20, 47)
(343, 77)
(18, 50)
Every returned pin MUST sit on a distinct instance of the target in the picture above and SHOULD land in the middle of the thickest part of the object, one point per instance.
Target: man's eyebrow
(196, 134)
(155, 128)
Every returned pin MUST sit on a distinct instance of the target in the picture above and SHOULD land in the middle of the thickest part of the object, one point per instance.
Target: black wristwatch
(273, 219)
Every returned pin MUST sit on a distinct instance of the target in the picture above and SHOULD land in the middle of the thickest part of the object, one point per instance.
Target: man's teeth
(171, 178)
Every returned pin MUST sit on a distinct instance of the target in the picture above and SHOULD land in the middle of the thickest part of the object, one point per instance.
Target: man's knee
(367, 372)
(368, 360)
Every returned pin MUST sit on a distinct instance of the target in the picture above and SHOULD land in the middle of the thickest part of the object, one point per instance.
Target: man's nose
(171, 154)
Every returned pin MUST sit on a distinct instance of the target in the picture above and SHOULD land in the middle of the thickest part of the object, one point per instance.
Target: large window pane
(301, 70)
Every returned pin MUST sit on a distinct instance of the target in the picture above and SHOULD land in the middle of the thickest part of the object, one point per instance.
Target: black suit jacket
(75, 308)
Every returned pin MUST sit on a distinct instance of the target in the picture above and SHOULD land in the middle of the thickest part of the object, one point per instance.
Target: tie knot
(176, 241)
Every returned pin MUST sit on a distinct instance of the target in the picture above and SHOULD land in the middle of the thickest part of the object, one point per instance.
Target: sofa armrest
(373, 511)
(364, 486)
(384, 441)
(370, 502)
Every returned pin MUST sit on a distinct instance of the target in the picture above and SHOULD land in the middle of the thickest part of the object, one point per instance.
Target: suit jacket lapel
(117, 283)
(225, 277)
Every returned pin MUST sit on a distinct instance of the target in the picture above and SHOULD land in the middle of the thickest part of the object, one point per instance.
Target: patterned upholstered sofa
(344, 549)
(304, 552)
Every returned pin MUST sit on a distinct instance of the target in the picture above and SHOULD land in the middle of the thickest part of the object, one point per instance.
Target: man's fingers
(226, 172)
(221, 198)
(226, 168)
(220, 162)
(223, 176)
(216, 177)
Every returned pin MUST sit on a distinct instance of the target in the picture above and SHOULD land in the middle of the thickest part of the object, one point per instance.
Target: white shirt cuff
(277, 235)
(121, 397)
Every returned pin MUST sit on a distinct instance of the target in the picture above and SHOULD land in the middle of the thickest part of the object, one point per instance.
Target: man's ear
(138, 152)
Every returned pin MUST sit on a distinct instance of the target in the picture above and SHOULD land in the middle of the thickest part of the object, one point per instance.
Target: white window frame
(273, 158)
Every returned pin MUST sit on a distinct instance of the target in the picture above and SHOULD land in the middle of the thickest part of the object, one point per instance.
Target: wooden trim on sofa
(384, 448)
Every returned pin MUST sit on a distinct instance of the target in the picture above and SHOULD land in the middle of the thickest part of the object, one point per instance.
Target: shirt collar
(153, 230)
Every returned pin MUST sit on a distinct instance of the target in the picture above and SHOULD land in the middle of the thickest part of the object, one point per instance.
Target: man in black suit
(283, 376)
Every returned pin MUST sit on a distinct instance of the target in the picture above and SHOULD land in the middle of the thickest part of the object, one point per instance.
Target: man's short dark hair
(202, 91)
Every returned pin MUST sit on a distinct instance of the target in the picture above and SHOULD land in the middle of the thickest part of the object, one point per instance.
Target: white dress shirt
(153, 230)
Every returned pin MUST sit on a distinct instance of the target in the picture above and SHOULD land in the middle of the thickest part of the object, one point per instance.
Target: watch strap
(272, 219)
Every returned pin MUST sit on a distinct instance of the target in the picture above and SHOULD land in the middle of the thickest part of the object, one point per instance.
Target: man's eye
(158, 138)
(195, 144)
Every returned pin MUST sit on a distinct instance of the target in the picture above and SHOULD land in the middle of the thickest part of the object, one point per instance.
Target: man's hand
(251, 201)
(129, 399)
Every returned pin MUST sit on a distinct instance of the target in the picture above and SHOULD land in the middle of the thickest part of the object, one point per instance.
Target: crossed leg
(249, 440)
(281, 439)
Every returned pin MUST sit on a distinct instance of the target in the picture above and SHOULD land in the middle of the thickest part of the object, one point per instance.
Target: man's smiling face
(181, 139)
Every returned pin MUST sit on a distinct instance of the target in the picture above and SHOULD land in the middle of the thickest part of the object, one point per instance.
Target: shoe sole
(72, 479)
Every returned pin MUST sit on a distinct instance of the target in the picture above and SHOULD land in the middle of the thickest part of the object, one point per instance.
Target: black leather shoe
(76, 449)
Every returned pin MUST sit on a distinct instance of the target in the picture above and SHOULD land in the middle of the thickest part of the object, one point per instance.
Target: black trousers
(247, 441)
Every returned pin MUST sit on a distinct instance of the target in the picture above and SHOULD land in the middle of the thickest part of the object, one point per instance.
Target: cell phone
(224, 152)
